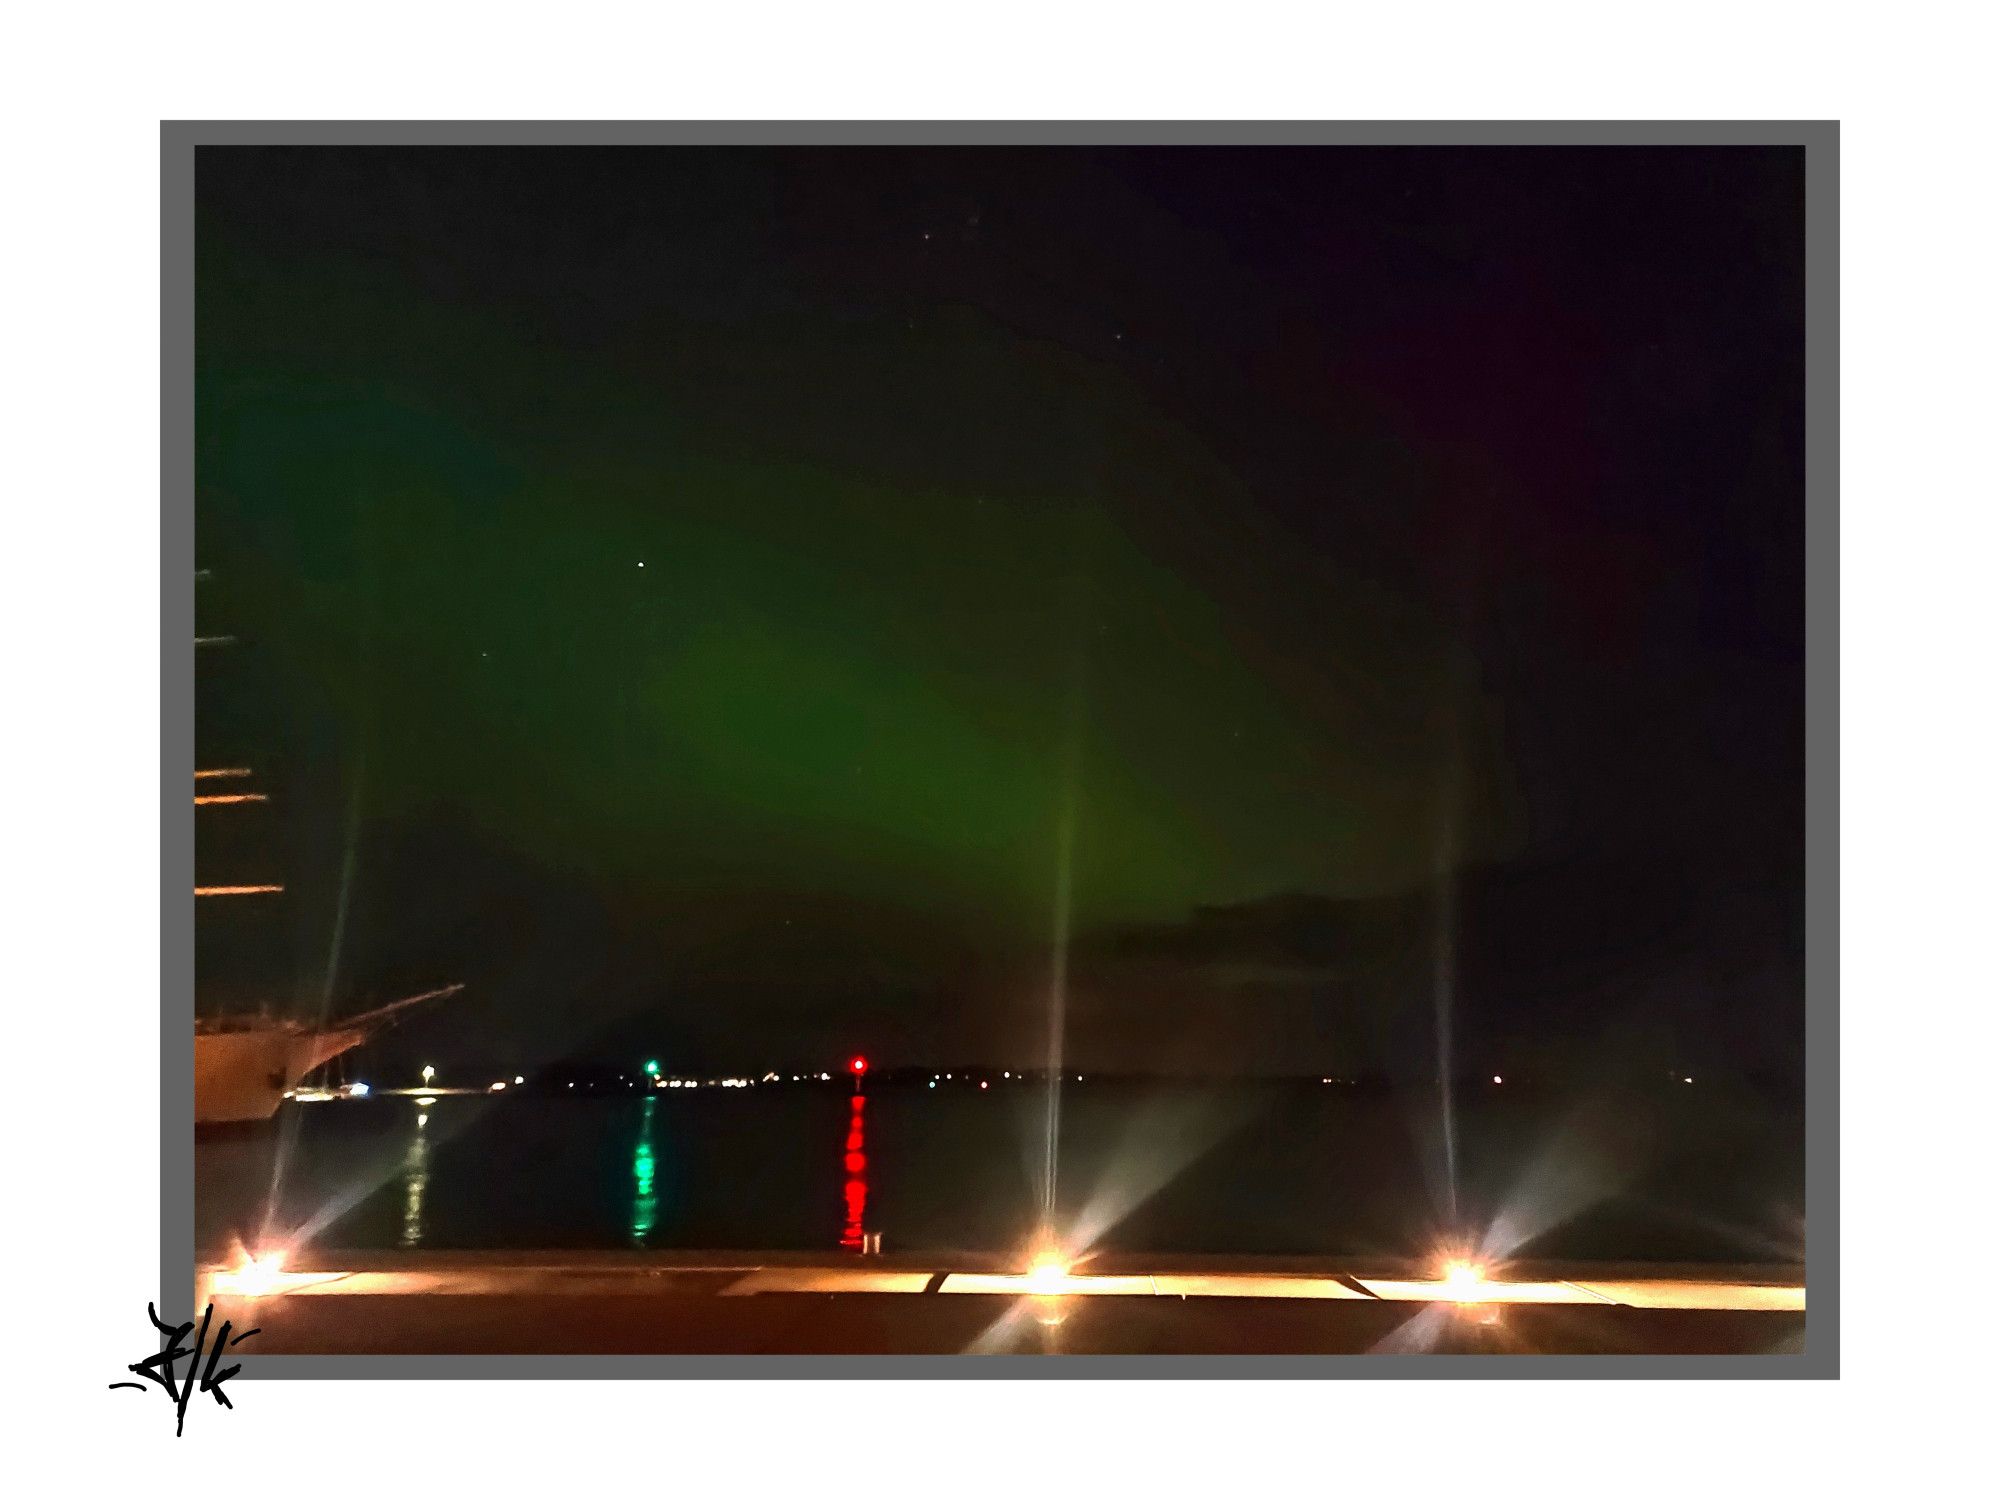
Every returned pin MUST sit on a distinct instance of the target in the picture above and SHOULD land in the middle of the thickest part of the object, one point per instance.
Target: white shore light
(1048, 1276)
(1463, 1280)
(254, 1276)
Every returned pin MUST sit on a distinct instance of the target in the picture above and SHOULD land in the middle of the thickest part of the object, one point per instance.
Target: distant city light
(1687, 1080)
(496, 1086)
(653, 1067)
(932, 1083)
(1496, 1078)
(428, 1071)
(358, 1090)
(859, 1065)
(982, 1083)
(517, 1078)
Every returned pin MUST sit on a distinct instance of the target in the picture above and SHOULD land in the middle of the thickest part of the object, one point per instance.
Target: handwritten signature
(158, 1369)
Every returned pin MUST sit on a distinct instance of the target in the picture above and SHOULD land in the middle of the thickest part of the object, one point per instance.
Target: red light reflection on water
(856, 1162)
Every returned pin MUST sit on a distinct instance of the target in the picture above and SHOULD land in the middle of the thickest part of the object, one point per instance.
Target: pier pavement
(432, 1302)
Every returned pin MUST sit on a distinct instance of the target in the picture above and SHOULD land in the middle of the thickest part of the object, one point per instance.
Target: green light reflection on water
(645, 1205)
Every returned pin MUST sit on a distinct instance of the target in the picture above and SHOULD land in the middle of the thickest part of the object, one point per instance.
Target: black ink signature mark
(159, 1368)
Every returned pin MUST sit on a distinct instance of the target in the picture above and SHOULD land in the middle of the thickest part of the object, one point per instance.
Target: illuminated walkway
(436, 1302)
(1676, 1294)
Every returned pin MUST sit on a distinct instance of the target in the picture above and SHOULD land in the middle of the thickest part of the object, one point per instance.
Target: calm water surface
(1270, 1169)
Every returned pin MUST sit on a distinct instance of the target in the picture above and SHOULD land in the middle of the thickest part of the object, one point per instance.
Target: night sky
(688, 591)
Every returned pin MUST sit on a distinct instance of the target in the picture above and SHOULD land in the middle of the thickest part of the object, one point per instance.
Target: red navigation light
(859, 1066)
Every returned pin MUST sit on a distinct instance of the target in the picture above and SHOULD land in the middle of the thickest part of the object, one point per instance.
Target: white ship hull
(241, 1071)
(242, 1076)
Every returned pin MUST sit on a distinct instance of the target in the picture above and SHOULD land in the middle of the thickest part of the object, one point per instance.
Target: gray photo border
(1820, 141)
